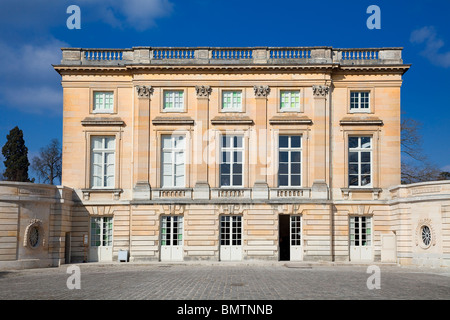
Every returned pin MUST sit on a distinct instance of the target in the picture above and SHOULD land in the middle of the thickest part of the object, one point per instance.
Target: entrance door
(296, 249)
(171, 238)
(101, 239)
(67, 247)
(361, 238)
(230, 238)
(290, 238)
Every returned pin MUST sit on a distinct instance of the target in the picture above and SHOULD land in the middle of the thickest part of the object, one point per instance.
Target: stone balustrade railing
(241, 55)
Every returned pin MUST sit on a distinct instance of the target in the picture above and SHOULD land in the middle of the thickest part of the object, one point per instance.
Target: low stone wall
(34, 221)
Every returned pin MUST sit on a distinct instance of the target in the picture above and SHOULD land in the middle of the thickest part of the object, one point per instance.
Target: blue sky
(32, 33)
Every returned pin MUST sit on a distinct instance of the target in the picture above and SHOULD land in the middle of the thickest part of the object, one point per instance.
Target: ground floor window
(360, 231)
(101, 231)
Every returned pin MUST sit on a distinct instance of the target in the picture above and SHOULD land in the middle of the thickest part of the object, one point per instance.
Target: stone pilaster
(142, 144)
(319, 187)
(260, 187)
(200, 163)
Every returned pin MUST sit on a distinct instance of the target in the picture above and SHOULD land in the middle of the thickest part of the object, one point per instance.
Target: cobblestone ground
(128, 281)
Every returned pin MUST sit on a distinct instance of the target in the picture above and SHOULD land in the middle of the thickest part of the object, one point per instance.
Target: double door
(230, 238)
(171, 238)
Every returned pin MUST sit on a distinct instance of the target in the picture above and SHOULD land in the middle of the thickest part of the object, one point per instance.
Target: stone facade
(335, 97)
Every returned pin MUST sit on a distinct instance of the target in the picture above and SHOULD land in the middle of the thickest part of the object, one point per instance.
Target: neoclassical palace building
(228, 154)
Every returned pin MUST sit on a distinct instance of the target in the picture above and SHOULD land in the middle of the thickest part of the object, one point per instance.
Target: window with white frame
(289, 161)
(360, 161)
(360, 101)
(103, 101)
(290, 100)
(231, 100)
(173, 100)
(103, 151)
(360, 231)
(231, 161)
(101, 231)
(173, 161)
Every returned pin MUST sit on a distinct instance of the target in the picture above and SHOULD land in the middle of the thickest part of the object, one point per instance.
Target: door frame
(238, 249)
(178, 246)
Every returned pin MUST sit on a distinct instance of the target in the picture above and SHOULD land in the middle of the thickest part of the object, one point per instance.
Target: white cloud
(29, 82)
(433, 44)
(137, 14)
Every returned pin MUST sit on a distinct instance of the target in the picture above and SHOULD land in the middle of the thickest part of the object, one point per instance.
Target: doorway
(283, 237)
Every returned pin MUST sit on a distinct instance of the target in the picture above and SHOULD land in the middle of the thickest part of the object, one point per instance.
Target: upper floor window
(231, 160)
(232, 101)
(360, 101)
(289, 164)
(360, 161)
(103, 101)
(173, 100)
(173, 161)
(102, 162)
(290, 100)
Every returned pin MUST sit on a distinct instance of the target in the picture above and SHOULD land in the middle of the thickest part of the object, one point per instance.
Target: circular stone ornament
(34, 234)
(425, 235)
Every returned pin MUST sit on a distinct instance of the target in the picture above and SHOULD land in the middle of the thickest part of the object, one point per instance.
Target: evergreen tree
(16, 157)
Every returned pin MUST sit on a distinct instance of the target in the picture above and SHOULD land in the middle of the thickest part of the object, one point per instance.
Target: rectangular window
(103, 150)
(173, 100)
(289, 161)
(171, 230)
(231, 161)
(290, 101)
(103, 102)
(359, 101)
(173, 161)
(360, 231)
(230, 230)
(232, 101)
(360, 161)
(101, 231)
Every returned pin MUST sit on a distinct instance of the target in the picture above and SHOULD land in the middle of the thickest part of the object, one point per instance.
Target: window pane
(226, 157)
(237, 180)
(295, 142)
(353, 142)
(225, 168)
(295, 168)
(225, 180)
(226, 141)
(238, 142)
(365, 180)
(283, 168)
(353, 157)
(237, 168)
(284, 157)
(353, 169)
(283, 180)
(365, 142)
(283, 141)
(365, 156)
(238, 156)
(295, 156)
(295, 180)
(353, 180)
(166, 142)
(365, 168)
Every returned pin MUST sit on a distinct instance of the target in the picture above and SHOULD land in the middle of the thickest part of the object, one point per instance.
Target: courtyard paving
(225, 281)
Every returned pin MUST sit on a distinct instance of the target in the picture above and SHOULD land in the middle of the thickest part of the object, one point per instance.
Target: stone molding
(34, 223)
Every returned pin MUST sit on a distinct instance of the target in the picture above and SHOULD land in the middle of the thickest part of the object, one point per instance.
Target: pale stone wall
(27, 205)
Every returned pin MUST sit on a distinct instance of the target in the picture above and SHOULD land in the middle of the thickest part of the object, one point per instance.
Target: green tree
(16, 157)
(48, 164)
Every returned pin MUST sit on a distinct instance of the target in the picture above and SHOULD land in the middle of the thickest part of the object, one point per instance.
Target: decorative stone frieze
(261, 91)
(320, 91)
(203, 91)
(144, 91)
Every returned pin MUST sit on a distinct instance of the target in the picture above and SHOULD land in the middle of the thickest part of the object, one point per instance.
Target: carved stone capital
(144, 91)
(261, 91)
(203, 91)
(320, 91)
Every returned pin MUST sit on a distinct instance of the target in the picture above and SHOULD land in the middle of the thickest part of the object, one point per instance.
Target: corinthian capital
(261, 91)
(203, 91)
(320, 91)
(144, 91)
